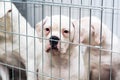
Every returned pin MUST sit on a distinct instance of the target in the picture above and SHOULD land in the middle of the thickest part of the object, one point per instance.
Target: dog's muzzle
(54, 41)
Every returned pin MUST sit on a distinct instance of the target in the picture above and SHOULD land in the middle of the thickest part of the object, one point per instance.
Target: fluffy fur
(12, 59)
(64, 58)
(11, 21)
(100, 37)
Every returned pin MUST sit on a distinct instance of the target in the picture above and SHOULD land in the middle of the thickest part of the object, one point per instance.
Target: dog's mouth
(58, 49)
(53, 48)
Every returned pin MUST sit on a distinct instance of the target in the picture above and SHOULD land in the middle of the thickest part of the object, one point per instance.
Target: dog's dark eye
(47, 29)
(66, 31)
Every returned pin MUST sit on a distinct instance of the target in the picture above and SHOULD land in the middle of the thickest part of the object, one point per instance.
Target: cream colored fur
(20, 40)
(98, 39)
(67, 59)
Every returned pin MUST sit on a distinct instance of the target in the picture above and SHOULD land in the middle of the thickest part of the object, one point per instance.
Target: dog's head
(5, 23)
(91, 30)
(59, 30)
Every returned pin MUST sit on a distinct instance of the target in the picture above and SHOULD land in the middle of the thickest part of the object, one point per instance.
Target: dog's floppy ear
(97, 32)
(75, 25)
(5, 13)
(40, 25)
(5, 21)
(4, 9)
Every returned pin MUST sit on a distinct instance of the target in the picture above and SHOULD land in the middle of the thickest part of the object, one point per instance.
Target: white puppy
(19, 36)
(61, 58)
(91, 33)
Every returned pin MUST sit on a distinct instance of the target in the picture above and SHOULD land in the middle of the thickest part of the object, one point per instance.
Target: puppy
(92, 34)
(62, 59)
(17, 34)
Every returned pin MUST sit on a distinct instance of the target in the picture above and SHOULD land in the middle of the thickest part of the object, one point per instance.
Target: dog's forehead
(58, 22)
(87, 21)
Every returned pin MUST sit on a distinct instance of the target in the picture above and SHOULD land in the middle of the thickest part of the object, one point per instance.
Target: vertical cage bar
(89, 48)
(112, 40)
(60, 39)
(5, 31)
(61, 1)
(19, 43)
(27, 43)
(53, 1)
(79, 52)
(101, 18)
(34, 44)
(71, 1)
(12, 38)
(42, 43)
(69, 38)
(117, 18)
(51, 8)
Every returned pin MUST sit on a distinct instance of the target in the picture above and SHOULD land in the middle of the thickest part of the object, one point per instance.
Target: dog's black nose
(54, 41)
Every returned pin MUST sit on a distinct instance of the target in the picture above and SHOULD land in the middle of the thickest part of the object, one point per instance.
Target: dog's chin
(55, 51)
(52, 50)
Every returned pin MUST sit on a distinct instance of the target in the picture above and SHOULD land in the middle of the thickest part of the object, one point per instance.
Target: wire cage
(23, 47)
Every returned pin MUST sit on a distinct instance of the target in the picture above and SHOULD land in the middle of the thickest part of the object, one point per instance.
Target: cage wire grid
(35, 11)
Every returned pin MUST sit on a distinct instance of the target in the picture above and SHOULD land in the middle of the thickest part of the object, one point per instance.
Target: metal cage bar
(44, 8)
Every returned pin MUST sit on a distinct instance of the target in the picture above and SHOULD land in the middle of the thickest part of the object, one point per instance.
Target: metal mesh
(14, 41)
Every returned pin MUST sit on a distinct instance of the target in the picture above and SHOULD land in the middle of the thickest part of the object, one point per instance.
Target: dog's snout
(54, 41)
